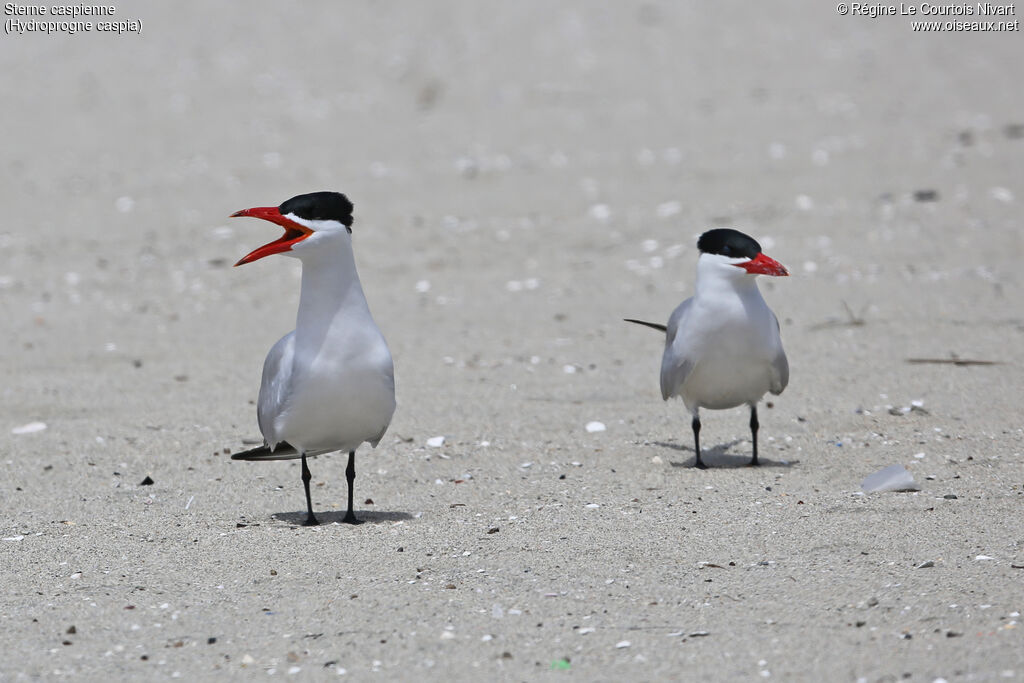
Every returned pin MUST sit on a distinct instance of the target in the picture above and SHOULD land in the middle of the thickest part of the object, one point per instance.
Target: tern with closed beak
(722, 345)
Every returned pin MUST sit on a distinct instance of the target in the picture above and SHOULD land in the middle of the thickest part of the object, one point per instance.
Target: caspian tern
(329, 385)
(722, 345)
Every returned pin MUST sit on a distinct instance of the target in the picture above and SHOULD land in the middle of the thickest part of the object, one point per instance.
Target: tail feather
(284, 451)
(653, 326)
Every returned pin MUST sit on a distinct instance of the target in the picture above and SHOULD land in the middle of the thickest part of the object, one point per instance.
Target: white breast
(338, 400)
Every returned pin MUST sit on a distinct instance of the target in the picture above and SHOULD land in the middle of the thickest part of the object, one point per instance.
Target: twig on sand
(953, 360)
(852, 319)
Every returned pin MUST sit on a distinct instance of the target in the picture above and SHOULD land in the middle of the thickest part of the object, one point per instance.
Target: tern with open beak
(722, 345)
(328, 385)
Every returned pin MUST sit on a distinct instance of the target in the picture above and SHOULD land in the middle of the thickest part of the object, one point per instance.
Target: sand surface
(525, 175)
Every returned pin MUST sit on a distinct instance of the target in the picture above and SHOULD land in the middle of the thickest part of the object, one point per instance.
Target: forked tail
(653, 326)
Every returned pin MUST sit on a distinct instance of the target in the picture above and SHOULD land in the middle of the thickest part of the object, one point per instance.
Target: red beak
(293, 233)
(763, 265)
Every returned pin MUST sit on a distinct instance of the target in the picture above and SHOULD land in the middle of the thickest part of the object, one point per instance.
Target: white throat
(331, 293)
(717, 277)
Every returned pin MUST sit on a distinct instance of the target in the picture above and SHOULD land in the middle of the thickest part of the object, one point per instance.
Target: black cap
(728, 242)
(320, 206)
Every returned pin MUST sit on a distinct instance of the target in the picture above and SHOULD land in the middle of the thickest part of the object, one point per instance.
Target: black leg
(311, 519)
(696, 441)
(350, 475)
(753, 432)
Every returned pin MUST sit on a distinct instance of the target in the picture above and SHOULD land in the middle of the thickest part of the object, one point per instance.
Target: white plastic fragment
(622, 643)
(29, 428)
(595, 426)
(435, 441)
(891, 478)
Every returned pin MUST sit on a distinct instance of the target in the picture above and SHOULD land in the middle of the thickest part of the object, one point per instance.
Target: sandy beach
(525, 176)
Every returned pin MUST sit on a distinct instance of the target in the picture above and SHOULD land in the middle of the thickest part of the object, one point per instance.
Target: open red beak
(293, 233)
(763, 265)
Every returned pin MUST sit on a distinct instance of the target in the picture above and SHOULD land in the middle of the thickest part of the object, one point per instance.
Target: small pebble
(595, 426)
(1002, 194)
(601, 212)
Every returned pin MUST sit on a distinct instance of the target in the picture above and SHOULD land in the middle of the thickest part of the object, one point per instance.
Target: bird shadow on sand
(331, 516)
(719, 457)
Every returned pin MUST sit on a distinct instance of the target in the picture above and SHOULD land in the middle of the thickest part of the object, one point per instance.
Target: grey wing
(389, 378)
(277, 372)
(780, 367)
(675, 368)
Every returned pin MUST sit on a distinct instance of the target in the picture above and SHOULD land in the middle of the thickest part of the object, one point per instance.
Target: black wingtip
(284, 451)
(252, 454)
(653, 326)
